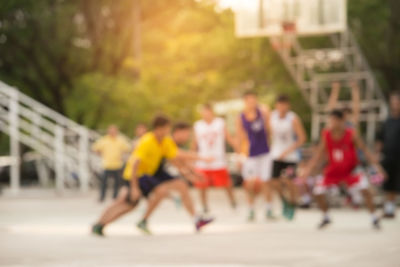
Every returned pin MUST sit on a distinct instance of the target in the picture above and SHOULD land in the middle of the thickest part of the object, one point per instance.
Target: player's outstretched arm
(191, 156)
(355, 95)
(187, 170)
(334, 96)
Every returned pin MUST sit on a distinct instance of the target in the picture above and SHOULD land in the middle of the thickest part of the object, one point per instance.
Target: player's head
(207, 112)
(112, 130)
(347, 112)
(161, 126)
(395, 102)
(282, 103)
(181, 132)
(250, 99)
(336, 119)
(140, 129)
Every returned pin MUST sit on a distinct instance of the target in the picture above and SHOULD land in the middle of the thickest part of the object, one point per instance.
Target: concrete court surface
(41, 229)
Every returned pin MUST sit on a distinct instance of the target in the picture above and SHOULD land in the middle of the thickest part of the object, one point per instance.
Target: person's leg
(251, 193)
(155, 198)
(203, 199)
(182, 188)
(320, 198)
(117, 181)
(231, 196)
(222, 179)
(103, 185)
(264, 166)
(119, 207)
(391, 187)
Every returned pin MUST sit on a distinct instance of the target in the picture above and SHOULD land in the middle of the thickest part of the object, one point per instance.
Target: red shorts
(348, 180)
(214, 178)
(353, 180)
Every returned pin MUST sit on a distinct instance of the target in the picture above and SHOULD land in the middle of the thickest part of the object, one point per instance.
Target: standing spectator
(111, 148)
(389, 145)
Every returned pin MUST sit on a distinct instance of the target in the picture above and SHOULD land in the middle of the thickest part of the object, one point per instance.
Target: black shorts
(148, 183)
(392, 183)
(278, 168)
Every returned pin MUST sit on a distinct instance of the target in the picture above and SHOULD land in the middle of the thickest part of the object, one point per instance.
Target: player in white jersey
(287, 136)
(209, 141)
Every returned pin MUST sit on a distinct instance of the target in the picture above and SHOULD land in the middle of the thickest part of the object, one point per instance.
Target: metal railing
(63, 142)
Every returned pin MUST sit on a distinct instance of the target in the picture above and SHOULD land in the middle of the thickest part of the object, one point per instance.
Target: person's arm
(240, 135)
(231, 140)
(187, 170)
(368, 155)
(318, 155)
(265, 111)
(193, 143)
(334, 96)
(97, 146)
(301, 138)
(191, 156)
(135, 192)
(355, 95)
(126, 145)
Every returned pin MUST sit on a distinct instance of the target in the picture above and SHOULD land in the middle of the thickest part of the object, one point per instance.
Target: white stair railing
(305, 65)
(63, 142)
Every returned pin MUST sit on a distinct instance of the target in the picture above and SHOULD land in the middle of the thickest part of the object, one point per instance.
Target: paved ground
(44, 230)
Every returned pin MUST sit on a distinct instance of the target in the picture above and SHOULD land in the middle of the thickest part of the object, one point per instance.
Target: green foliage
(77, 57)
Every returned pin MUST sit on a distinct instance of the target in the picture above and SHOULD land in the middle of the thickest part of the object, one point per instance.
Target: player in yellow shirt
(111, 148)
(144, 176)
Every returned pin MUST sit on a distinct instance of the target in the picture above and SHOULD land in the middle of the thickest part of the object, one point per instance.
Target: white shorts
(257, 167)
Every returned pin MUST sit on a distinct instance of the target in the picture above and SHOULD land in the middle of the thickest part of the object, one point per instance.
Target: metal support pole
(14, 142)
(59, 157)
(84, 159)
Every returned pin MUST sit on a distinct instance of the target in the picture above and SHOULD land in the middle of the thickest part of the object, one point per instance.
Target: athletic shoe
(325, 222)
(252, 216)
(376, 224)
(97, 229)
(387, 215)
(201, 222)
(290, 211)
(305, 206)
(142, 226)
(270, 215)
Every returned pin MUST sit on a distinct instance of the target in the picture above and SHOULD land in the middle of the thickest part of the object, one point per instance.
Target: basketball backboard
(310, 17)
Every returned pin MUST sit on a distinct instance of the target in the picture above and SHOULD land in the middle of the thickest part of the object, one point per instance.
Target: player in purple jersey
(252, 127)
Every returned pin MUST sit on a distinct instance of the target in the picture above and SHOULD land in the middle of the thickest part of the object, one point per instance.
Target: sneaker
(325, 222)
(376, 224)
(201, 222)
(270, 215)
(388, 215)
(290, 211)
(252, 216)
(97, 229)
(142, 226)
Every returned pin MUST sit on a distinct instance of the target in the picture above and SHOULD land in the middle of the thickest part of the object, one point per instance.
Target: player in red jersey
(340, 143)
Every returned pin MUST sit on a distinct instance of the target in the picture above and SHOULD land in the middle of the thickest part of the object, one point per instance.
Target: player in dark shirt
(389, 145)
